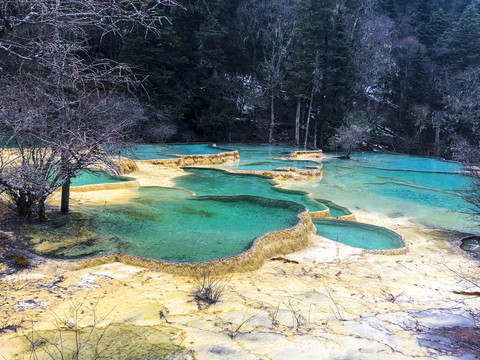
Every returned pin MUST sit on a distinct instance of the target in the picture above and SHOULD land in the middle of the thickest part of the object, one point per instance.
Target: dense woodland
(226, 70)
(297, 70)
(80, 77)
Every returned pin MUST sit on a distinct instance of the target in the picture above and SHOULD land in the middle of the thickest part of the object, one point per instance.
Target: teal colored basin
(217, 182)
(97, 177)
(261, 157)
(335, 209)
(149, 152)
(172, 224)
(358, 235)
(426, 190)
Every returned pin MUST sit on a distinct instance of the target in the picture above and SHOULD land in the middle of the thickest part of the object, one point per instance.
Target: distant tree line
(301, 69)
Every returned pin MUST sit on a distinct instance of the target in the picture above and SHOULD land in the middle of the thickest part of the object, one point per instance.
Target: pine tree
(430, 32)
(418, 79)
(337, 73)
(462, 42)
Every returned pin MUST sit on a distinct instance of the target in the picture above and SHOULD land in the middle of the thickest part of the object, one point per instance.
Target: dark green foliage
(337, 73)
(218, 61)
(429, 32)
(461, 43)
(419, 88)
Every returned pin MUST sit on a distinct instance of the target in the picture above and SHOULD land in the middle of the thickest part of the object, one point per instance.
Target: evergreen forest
(295, 71)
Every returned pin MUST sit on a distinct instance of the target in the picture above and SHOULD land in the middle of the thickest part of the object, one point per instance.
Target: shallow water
(168, 151)
(335, 209)
(358, 235)
(425, 190)
(217, 182)
(261, 157)
(171, 224)
(97, 177)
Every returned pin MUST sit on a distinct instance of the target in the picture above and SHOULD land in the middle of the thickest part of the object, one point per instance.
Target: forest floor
(328, 301)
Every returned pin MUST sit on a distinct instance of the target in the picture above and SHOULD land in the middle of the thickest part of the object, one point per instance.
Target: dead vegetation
(209, 286)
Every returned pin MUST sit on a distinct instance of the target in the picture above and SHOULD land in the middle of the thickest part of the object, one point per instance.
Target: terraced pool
(227, 215)
(358, 235)
(172, 224)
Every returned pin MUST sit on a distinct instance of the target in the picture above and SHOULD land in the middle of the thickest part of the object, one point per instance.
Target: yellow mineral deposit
(314, 299)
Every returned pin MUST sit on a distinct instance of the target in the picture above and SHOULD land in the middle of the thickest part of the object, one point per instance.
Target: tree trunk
(315, 134)
(308, 119)
(65, 196)
(41, 209)
(297, 121)
(437, 141)
(24, 205)
(272, 117)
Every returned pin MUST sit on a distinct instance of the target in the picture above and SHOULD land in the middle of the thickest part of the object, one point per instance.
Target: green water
(428, 191)
(149, 152)
(335, 209)
(217, 182)
(97, 177)
(171, 224)
(358, 235)
(223, 220)
(260, 157)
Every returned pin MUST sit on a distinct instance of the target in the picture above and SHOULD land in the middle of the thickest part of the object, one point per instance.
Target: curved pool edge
(263, 248)
(132, 184)
(196, 160)
(398, 251)
(291, 173)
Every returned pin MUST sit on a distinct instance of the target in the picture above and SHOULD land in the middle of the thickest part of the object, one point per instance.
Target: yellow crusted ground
(324, 302)
(328, 301)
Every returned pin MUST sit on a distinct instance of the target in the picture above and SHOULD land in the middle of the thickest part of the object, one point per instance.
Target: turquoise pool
(335, 209)
(425, 190)
(171, 224)
(97, 177)
(168, 151)
(174, 225)
(217, 182)
(358, 235)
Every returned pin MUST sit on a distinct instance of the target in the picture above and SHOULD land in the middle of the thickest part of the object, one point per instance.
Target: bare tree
(461, 96)
(373, 56)
(50, 45)
(350, 136)
(44, 155)
(470, 156)
(272, 24)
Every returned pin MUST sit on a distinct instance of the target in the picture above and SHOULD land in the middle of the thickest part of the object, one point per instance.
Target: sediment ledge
(312, 155)
(133, 184)
(193, 160)
(288, 173)
(264, 247)
(125, 165)
(322, 214)
(348, 217)
(401, 251)
(307, 154)
(325, 214)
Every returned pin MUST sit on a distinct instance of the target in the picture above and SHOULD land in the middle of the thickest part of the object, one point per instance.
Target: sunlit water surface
(172, 225)
(358, 235)
(426, 190)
